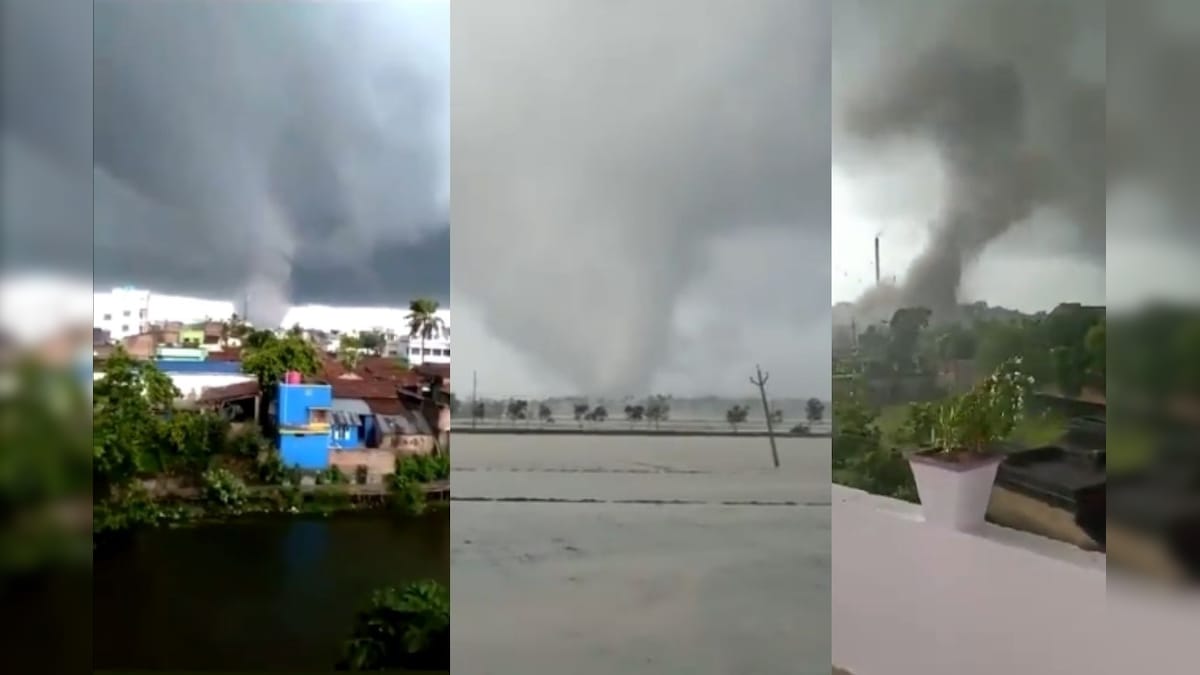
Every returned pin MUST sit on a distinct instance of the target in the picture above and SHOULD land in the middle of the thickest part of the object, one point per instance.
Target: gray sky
(236, 146)
(1154, 143)
(641, 196)
(970, 98)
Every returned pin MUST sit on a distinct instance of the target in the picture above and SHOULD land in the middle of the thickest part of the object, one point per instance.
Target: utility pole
(877, 278)
(760, 380)
(474, 393)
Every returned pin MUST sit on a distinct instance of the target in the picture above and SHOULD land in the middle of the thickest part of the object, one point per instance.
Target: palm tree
(423, 321)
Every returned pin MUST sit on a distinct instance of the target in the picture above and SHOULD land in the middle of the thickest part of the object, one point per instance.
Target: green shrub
(405, 629)
(248, 443)
(332, 476)
(293, 475)
(291, 498)
(407, 495)
(330, 497)
(270, 468)
(423, 468)
(223, 488)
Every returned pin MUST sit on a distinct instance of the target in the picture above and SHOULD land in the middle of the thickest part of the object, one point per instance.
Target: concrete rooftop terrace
(912, 599)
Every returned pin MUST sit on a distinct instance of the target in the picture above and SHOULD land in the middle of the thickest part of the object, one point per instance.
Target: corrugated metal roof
(406, 424)
(351, 405)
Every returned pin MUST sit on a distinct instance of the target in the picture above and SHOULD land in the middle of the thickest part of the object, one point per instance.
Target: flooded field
(640, 554)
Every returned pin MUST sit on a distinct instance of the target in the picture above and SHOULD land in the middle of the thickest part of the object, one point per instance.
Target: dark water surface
(266, 594)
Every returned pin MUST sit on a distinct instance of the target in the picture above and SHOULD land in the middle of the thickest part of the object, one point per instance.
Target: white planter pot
(954, 495)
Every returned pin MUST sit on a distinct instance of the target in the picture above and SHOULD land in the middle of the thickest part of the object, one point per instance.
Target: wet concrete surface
(692, 556)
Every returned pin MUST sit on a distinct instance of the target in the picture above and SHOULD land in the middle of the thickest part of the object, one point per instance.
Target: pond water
(264, 594)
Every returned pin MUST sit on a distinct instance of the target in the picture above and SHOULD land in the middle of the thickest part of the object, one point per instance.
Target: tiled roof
(228, 354)
(363, 389)
(441, 370)
(385, 406)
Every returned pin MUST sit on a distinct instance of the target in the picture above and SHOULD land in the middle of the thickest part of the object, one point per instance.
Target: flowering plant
(987, 413)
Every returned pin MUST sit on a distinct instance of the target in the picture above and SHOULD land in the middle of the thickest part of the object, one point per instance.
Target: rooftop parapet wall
(913, 599)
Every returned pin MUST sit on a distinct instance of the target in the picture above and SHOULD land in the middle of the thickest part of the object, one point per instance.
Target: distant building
(122, 312)
(434, 350)
(194, 376)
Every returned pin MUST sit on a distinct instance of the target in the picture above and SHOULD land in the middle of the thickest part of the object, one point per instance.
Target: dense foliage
(1065, 349)
(406, 485)
(406, 628)
(861, 457)
(268, 357)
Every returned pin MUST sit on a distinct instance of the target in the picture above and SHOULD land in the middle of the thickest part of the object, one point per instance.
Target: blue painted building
(304, 415)
(351, 424)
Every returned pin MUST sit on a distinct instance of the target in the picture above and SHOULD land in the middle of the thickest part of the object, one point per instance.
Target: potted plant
(954, 473)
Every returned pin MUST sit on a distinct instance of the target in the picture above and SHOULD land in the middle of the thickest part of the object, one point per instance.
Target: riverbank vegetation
(156, 465)
(402, 629)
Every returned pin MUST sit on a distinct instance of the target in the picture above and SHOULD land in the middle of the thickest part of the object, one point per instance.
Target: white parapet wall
(913, 599)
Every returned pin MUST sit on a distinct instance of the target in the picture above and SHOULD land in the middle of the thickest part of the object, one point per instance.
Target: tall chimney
(877, 279)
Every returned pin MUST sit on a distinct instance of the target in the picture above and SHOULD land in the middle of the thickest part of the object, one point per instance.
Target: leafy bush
(402, 629)
(407, 495)
(332, 476)
(423, 468)
(270, 468)
(331, 497)
(248, 443)
(129, 508)
(221, 487)
(293, 475)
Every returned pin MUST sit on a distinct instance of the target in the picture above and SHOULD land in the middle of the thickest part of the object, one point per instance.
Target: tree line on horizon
(654, 410)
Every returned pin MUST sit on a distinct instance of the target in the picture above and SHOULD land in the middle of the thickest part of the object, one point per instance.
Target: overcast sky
(641, 196)
(295, 150)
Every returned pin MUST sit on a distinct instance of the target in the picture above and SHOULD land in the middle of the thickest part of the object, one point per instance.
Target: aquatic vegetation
(407, 628)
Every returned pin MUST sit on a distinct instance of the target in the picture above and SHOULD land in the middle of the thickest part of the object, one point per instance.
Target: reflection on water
(271, 594)
(641, 564)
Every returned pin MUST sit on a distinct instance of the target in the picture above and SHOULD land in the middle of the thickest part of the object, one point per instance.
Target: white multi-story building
(122, 312)
(433, 350)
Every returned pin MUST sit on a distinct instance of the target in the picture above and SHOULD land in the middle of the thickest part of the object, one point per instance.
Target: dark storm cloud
(602, 153)
(1010, 96)
(1153, 103)
(46, 135)
(294, 150)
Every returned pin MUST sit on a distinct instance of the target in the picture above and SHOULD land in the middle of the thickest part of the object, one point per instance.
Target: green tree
(1097, 350)
(373, 341)
(658, 409)
(270, 357)
(423, 321)
(815, 410)
(349, 351)
(129, 405)
(904, 335)
(1187, 354)
(737, 415)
